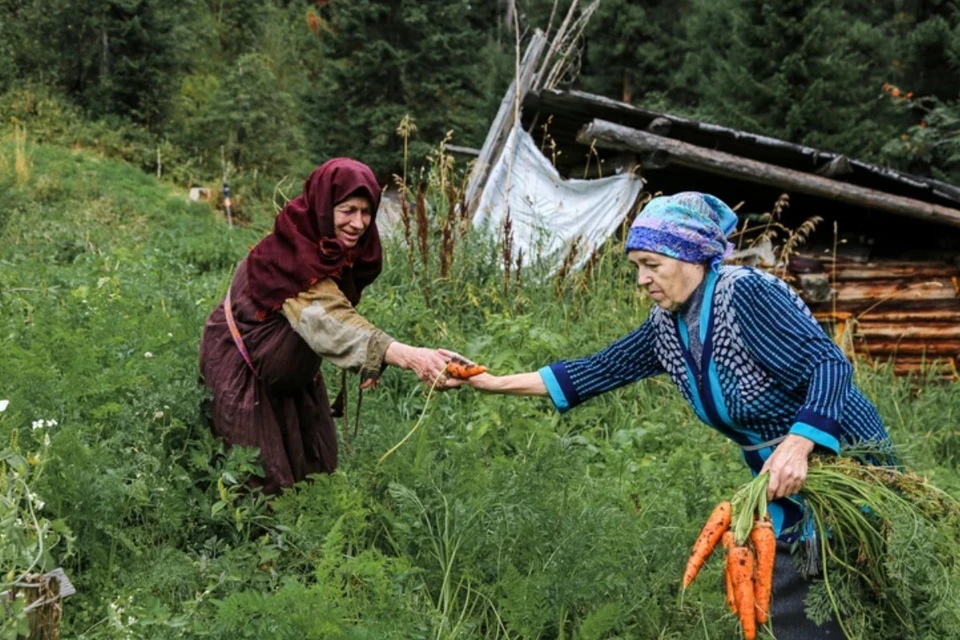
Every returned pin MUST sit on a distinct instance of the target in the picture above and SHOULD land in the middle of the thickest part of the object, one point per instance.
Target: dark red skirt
(283, 408)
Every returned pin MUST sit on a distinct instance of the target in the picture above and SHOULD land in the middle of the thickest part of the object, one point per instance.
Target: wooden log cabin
(881, 270)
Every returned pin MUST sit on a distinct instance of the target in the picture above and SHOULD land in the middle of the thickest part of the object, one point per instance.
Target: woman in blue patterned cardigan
(745, 352)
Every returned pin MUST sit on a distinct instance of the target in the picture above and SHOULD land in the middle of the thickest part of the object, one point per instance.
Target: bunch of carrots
(895, 535)
(743, 529)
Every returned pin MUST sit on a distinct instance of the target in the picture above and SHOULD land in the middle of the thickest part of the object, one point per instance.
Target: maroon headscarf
(303, 247)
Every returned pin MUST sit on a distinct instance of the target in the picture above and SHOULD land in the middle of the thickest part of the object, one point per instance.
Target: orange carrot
(727, 542)
(717, 523)
(765, 546)
(462, 369)
(742, 576)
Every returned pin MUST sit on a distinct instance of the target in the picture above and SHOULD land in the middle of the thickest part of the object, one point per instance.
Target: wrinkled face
(668, 281)
(350, 219)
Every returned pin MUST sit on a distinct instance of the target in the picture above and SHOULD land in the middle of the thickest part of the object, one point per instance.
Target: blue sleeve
(781, 334)
(631, 358)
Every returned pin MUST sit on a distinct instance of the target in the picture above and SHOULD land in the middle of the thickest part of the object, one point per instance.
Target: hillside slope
(497, 519)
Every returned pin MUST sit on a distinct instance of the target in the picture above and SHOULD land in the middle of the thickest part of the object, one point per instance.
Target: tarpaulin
(547, 213)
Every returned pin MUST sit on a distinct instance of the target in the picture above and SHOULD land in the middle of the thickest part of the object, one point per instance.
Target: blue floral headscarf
(688, 226)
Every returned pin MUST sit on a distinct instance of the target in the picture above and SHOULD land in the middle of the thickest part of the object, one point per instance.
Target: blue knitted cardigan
(766, 370)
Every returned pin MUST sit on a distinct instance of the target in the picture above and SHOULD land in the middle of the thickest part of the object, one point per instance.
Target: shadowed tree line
(282, 84)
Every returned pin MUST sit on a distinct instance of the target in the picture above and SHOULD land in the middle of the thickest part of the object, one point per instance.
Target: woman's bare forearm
(517, 384)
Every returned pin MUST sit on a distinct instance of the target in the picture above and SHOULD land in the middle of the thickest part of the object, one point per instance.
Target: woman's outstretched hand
(519, 384)
(428, 364)
(453, 379)
(788, 466)
(482, 382)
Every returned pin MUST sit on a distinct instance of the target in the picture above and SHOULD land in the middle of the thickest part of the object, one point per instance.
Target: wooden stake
(226, 187)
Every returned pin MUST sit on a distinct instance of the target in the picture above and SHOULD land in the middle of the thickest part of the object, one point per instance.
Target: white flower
(51, 423)
(158, 415)
(36, 424)
(148, 355)
(3, 405)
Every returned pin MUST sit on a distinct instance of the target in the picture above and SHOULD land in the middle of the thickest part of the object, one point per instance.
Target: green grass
(498, 519)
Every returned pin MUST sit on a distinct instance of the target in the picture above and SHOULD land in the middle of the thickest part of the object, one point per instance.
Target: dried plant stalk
(447, 237)
(506, 253)
(566, 266)
(423, 227)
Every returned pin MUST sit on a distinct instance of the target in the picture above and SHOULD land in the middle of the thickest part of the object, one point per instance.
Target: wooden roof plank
(614, 136)
(586, 106)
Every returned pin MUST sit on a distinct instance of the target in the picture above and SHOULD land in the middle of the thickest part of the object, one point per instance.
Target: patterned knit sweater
(766, 370)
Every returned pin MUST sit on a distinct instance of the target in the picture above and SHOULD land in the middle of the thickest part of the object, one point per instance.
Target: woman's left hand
(788, 466)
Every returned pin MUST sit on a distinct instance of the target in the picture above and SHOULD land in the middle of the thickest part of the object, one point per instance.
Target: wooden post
(226, 189)
(613, 136)
(464, 151)
(503, 122)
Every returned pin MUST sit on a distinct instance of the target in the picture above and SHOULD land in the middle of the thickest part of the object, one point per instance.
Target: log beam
(614, 136)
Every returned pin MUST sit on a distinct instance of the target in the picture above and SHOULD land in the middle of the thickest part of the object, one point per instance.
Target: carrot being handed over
(741, 574)
(717, 523)
(765, 546)
(463, 369)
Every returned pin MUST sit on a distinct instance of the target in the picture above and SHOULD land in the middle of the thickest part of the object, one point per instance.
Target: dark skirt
(787, 614)
(282, 409)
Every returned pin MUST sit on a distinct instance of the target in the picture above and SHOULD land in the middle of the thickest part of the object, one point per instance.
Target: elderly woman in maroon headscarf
(291, 304)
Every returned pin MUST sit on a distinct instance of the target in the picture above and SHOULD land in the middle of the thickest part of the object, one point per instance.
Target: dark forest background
(280, 85)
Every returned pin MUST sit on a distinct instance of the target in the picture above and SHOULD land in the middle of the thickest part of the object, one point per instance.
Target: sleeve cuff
(552, 384)
(376, 353)
(823, 431)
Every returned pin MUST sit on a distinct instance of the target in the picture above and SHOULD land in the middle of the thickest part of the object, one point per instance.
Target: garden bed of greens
(497, 519)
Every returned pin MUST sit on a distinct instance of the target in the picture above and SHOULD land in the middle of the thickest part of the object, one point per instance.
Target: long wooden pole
(614, 136)
(504, 120)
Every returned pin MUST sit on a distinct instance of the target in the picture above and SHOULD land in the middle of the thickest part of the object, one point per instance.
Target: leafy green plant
(888, 543)
(31, 541)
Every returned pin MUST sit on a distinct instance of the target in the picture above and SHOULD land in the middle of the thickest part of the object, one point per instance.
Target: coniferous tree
(806, 72)
(632, 49)
(926, 86)
(118, 57)
(383, 60)
(927, 51)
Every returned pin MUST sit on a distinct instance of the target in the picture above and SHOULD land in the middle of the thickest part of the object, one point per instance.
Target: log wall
(907, 313)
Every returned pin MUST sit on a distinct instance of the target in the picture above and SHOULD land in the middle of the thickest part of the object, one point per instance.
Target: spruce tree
(631, 49)
(379, 61)
(805, 71)
(114, 57)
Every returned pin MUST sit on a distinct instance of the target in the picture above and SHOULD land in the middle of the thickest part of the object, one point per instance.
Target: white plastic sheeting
(548, 213)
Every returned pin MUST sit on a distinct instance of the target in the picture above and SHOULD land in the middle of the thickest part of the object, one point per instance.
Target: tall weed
(22, 162)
